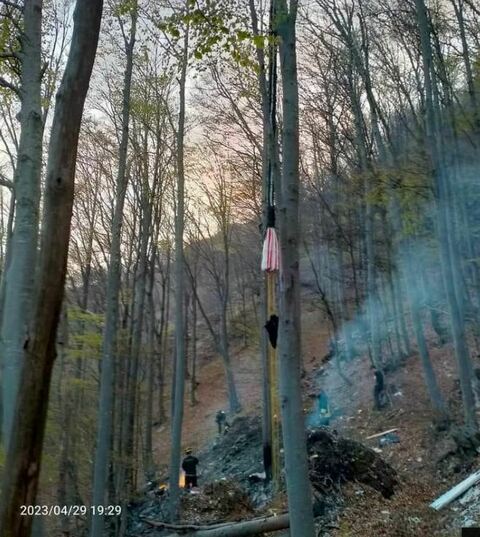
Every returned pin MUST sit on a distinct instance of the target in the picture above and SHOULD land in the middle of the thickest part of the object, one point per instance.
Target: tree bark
(138, 317)
(240, 529)
(23, 462)
(267, 135)
(148, 464)
(193, 377)
(179, 385)
(293, 424)
(19, 277)
(104, 428)
(435, 150)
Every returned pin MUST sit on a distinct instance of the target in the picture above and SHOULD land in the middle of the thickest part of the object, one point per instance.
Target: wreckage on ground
(231, 503)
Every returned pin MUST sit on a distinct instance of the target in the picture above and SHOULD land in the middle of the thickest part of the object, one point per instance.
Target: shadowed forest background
(157, 188)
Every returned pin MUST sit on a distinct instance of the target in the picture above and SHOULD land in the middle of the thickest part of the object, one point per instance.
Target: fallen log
(381, 434)
(456, 491)
(183, 527)
(236, 529)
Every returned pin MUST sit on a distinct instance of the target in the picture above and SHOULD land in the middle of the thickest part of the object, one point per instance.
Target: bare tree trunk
(138, 317)
(466, 55)
(104, 427)
(23, 462)
(179, 386)
(65, 402)
(269, 152)
(433, 388)
(6, 263)
(193, 378)
(19, 277)
(434, 146)
(148, 447)
(293, 424)
(234, 403)
(187, 334)
(163, 339)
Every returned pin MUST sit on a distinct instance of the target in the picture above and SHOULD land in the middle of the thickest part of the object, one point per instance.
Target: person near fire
(189, 466)
(323, 408)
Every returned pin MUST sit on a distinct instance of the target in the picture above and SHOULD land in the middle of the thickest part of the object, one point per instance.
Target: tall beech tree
(19, 276)
(435, 144)
(293, 424)
(179, 271)
(104, 427)
(24, 456)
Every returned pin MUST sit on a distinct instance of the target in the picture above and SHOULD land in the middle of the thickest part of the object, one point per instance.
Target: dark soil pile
(334, 460)
(221, 501)
(235, 454)
(227, 491)
(405, 514)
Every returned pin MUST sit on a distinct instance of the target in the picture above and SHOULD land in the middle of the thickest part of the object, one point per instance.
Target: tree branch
(11, 4)
(6, 182)
(6, 84)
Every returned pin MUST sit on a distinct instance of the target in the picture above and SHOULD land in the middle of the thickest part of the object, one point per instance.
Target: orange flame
(181, 481)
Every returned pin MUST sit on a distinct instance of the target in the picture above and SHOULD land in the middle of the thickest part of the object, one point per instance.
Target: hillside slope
(424, 457)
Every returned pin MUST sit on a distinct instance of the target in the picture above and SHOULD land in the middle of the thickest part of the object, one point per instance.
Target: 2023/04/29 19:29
(70, 510)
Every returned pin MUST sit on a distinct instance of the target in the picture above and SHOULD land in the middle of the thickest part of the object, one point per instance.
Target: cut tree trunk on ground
(237, 529)
(455, 492)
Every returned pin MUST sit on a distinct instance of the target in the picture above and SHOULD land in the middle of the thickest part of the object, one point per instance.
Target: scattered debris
(233, 487)
(219, 501)
(335, 460)
(381, 434)
(389, 438)
(257, 477)
(456, 491)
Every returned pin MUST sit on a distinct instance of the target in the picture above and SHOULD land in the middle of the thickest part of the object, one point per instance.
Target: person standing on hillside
(189, 466)
(379, 394)
(221, 420)
(323, 408)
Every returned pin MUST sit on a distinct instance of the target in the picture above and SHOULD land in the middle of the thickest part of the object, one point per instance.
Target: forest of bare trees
(142, 145)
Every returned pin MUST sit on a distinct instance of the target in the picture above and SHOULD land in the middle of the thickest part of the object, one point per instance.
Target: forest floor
(423, 457)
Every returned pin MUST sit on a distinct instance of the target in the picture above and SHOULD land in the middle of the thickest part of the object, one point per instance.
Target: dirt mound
(405, 514)
(227, 491)
(236, 454)
(217, 502)
(221, 501)
(334, 460)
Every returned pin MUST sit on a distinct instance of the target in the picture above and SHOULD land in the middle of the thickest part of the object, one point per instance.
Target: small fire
(181, 481)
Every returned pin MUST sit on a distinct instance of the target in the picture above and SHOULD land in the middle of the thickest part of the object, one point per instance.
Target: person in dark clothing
(272, 329)
(189, 466)
(379, 394)
(221, 420)
(323, 408)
